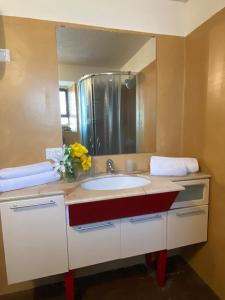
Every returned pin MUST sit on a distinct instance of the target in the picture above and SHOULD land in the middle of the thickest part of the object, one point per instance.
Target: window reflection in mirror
(107, 90)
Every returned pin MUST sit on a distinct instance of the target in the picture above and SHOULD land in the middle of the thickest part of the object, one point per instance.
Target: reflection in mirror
(107, 90)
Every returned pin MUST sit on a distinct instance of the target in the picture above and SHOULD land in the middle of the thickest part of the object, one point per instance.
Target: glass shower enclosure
(107, 112)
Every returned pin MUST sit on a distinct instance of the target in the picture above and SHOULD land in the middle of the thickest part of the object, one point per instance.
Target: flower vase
(73, 175)
(70, 175)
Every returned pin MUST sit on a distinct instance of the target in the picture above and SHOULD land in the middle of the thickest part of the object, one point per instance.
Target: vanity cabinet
(129, 234)
(139, 227)
(42, 238)
(93, 243)
(34, 235)
(143, 234)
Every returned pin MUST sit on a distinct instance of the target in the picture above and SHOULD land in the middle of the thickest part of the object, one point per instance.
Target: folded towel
(26, 170)
(173, 166)
(27, 181)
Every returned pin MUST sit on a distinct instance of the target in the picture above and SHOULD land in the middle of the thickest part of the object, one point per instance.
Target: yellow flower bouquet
(75, 156)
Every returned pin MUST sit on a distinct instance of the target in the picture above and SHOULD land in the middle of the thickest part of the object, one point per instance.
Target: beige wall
(29, 114)
(147, 102)
(170, 81)
(204, 123)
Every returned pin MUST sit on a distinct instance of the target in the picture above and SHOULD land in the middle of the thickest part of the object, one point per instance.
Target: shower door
(107, 117)
(86, 114)
(108, 113)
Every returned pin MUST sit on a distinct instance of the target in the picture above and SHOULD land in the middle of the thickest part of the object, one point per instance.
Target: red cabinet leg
(161, 267)
(148, 260)
(69, 285)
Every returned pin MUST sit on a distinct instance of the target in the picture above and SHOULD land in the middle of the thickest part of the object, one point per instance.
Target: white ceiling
(97, 47)
(198, 11)
(154, 16)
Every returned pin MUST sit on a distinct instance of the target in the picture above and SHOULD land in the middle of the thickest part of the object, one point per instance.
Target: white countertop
(75, 194)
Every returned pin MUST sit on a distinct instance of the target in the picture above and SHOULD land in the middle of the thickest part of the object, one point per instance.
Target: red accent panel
(161, 267)
(69, 285)
(97, 211)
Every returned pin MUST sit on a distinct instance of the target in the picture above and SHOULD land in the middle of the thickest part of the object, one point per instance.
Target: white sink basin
(115, 182)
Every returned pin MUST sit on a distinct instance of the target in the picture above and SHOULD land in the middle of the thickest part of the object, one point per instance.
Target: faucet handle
(110, 166)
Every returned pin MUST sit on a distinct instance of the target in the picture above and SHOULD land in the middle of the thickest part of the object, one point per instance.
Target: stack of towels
(173, 166)
(26, 176)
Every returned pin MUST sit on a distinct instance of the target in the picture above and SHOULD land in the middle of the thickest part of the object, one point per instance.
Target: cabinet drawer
(196, 193)
(93, 243)
(187, 226)
(143, 234)
(34, 236)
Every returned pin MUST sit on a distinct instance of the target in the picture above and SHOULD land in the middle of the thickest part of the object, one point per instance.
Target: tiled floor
(134, 283)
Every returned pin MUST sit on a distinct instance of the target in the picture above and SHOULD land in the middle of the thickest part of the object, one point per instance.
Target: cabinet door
(187, 226)
(196, 193)
(34, 236)
(143, 234)
(93, 243)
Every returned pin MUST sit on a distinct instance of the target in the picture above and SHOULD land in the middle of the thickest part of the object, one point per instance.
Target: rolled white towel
(26, 170)
(28, 181)
(167, 166)
(173, 166)
(191, 164)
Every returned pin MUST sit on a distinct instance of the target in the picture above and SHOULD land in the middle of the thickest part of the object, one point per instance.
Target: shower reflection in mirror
(107, 89)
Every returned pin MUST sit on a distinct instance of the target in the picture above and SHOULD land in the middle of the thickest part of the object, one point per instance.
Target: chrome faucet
(110, 169)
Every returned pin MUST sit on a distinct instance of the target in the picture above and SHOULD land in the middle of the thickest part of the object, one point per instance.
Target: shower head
(130, 82)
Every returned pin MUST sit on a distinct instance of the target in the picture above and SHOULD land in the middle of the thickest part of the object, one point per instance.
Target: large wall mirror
(107, 89)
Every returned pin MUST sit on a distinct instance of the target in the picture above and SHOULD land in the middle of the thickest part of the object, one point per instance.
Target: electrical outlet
(53, 153)
(4, 55)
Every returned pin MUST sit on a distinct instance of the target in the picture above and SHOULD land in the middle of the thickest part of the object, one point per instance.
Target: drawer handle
(145, 219)
(51, 202)
(94, 227)
(191, 213)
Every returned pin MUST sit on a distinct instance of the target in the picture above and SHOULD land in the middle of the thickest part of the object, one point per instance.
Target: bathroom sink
(115, 182)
